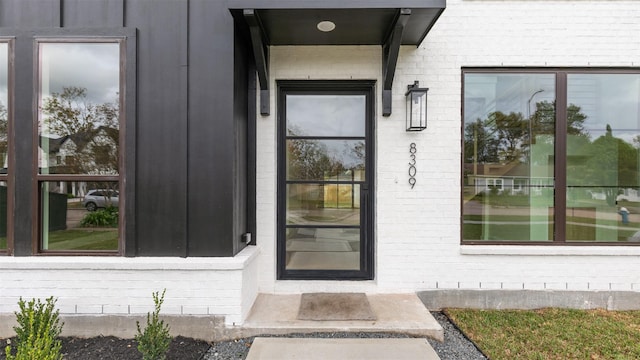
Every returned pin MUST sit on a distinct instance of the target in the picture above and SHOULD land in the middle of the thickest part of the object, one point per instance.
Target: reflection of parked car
(100, 198)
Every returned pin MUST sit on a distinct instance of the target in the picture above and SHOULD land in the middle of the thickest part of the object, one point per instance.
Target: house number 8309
(412, 164)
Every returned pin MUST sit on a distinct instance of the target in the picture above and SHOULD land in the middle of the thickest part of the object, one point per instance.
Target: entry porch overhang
(388, 23)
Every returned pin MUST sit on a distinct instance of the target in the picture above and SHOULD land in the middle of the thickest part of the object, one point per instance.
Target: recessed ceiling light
(326, 26)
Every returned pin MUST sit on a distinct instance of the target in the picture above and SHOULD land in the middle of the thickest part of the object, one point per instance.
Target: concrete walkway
(395, 313)
(336, 349)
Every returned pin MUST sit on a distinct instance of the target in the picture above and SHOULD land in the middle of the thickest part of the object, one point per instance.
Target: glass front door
(325, 178)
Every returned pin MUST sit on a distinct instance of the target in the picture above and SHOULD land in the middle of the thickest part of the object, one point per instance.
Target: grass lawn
(552, 333)
(86, 239)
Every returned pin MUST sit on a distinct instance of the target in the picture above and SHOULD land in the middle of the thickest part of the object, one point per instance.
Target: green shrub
(154, 341)
(101, 218)
(37, 331)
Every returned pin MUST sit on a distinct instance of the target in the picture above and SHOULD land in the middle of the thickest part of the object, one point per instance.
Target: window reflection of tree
(611, 163)
(3, 134)
(505, 138)
(311, 159)
(93, 131)
(605, 164)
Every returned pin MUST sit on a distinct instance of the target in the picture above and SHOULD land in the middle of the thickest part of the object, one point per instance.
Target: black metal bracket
(390, 52)
(261, 57)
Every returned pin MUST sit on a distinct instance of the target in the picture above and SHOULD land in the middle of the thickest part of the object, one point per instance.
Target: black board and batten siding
(189, 163)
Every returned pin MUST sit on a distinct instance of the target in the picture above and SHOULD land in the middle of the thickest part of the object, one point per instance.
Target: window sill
(550, 250)
(237, 262)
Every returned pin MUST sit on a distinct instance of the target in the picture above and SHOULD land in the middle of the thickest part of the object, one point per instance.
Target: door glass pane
(313, 159)
(509, 130)
(323, 248)
(324, 174)
(603, 200)
(326, 115)
(4, 121)
(79, 108)
(323, 204)
(78, 215)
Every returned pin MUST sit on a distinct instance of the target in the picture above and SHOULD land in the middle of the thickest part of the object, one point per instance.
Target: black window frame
(560, 150)
(320, 87)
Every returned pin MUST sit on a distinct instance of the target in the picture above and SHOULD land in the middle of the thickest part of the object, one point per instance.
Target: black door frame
(333, 87)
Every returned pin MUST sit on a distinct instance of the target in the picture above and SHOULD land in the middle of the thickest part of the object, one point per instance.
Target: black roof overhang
(389, 23)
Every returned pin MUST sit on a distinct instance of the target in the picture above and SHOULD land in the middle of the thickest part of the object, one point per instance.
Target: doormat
(335, 306)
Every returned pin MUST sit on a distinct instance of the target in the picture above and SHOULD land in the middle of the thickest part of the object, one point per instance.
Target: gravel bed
(455, 346)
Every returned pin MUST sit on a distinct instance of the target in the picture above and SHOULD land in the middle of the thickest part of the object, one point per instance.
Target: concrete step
(395, 313)
(351, 349)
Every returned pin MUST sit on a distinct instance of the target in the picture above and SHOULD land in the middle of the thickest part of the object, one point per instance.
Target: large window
(551, 156)
(78, 165)
(4, 126)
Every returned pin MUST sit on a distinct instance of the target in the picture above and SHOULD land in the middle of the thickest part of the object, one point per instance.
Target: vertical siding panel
(240, 152)
(92, 13)
(22, 129)
(211, 130)
(29, 13)
(161, 178)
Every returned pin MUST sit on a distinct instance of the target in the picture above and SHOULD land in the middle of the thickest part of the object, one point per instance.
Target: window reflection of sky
(507, 93)
(4, 73)
(94, 66)
(607, 99)
(330, 116)
(326, 115)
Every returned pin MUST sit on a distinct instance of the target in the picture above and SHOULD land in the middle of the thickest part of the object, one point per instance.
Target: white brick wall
(123, 286)
(418, 231)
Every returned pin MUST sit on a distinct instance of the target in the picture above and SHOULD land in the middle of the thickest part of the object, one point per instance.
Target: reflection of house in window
(514, 178)
(92, 152)
(519, 185)
(496, 184)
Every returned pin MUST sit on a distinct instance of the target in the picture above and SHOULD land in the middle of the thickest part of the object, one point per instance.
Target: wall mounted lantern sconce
(416, 107)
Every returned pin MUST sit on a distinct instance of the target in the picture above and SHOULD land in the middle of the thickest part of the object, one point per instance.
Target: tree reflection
(4, 120)
(543, 120)
(316, 159)
(508, 137)
(502, 141)
(87, 133)
(611, 163)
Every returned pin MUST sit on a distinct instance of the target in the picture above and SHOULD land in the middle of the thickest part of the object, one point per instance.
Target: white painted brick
(195, 310)
(66, 308)
(11, 308)
(620, 287)
(141, 309)
(126, 285)
(512, 286)
(490, 285)
(577, 286)
(448, 285)
(599, 286)
(89, 309)
(534, 286)
(116, 309)
(555, 286)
